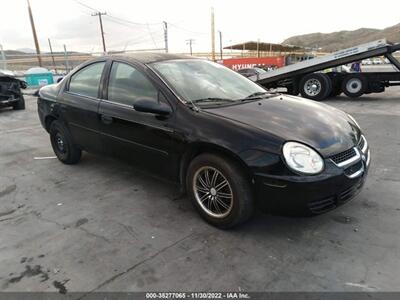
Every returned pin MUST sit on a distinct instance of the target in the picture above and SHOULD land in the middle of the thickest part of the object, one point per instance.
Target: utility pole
(3, 58)
(190, 42)
(52, 57)
(66, 59)
(34, 34)
(166, 36)
(212, 35)
(101, 28)
(220, 43)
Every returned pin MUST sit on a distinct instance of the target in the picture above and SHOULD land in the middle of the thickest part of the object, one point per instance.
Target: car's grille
(343, 156)
(353, 168)
(361, 143)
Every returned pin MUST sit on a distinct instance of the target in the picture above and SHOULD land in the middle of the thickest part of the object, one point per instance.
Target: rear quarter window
(86, 81)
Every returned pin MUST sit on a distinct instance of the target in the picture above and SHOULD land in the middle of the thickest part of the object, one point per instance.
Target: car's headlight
(302, 158)
(354, 120)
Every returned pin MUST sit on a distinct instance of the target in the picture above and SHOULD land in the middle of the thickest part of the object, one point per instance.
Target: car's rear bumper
(308, 195)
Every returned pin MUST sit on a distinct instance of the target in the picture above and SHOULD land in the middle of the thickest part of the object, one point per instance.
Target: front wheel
(219, 190)
(61, 141)
(354, 85)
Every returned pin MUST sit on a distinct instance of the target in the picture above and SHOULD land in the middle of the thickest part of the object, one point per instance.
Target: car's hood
(323, 127)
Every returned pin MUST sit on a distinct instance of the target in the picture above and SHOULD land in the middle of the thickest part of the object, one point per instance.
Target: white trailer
(308, 79)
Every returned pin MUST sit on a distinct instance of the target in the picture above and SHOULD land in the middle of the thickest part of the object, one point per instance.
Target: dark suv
(222, 137)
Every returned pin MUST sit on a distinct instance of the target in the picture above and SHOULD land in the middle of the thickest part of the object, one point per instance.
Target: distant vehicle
(306, 77)
(267, 67)
(376, 61)
(223, 138)
(248, 72)
(10, 91)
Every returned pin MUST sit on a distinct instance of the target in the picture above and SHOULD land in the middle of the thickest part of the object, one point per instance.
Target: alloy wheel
(312, 87)
(213, 192)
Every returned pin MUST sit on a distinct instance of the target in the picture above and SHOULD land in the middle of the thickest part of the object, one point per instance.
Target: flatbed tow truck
(313, 80)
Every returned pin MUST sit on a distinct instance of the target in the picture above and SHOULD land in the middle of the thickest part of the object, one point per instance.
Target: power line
(134, 42)
(133, 23)
(97, 13)
(116, 18)
(187, 30)
(148, 28)
(85, 5)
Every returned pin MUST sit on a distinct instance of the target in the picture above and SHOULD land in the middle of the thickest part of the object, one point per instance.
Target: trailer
(313, 78)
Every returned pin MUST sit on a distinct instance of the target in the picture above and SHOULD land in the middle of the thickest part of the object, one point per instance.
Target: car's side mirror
(152, 106)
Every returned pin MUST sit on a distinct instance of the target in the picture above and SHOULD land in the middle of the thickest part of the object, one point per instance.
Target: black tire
(62, 144)
(241, 204)
(354, 85)
(293, 89)
(20, 105)
(315, 86)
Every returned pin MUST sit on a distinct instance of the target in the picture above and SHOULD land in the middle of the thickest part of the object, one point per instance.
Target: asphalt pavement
(103, 225)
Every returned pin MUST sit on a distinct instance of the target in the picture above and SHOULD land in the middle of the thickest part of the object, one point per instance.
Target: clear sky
(70, 22)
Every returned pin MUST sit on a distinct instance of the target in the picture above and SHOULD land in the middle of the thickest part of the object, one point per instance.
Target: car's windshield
(204, 82)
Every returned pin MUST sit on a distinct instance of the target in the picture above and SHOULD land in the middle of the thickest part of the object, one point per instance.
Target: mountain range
(328, 42)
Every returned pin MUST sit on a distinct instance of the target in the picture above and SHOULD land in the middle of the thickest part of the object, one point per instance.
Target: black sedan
(228, 142)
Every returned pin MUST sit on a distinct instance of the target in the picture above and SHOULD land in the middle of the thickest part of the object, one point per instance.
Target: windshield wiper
(258, 95)
(212, 99)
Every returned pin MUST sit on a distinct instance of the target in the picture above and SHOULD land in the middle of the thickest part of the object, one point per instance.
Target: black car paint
(251, 134)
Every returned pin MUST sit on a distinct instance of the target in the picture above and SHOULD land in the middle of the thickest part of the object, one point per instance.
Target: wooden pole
(52, 57)
(99, 14)
(34, 34)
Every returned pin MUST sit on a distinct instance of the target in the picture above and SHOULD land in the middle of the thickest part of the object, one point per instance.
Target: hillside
(344, 39)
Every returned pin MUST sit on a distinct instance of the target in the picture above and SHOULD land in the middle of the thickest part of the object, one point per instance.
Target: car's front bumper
(310, 195)
(8, 102)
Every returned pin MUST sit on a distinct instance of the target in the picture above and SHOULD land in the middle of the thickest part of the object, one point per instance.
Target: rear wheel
(354, 85)
(219, 190)
(20, 104)
(293, 89)
(315, 86)
(62, 144)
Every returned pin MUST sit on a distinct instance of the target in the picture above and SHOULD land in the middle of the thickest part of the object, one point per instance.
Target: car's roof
(150, 57)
